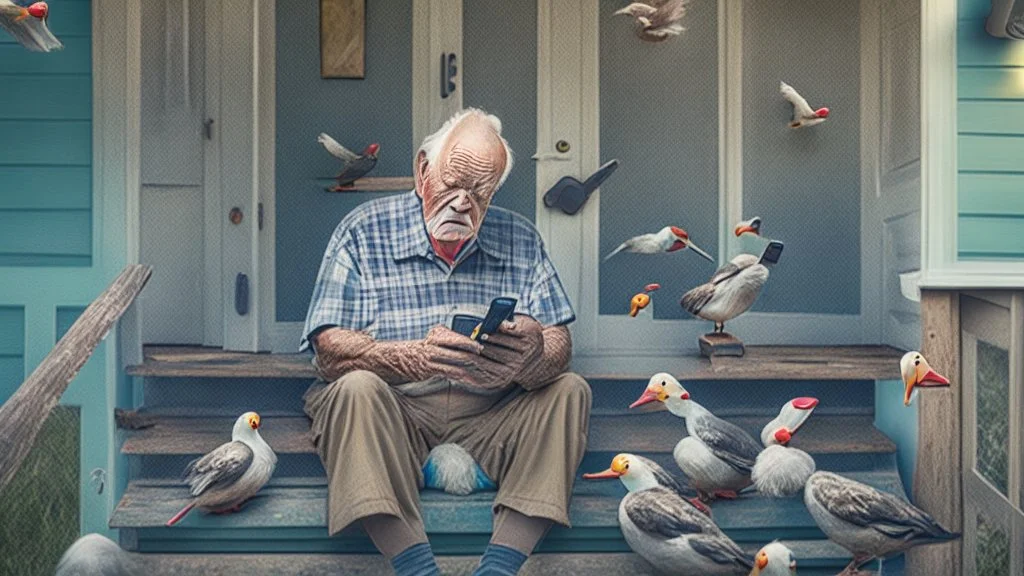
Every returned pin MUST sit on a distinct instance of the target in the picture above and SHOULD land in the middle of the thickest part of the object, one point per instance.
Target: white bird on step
(28, 25)
(803, 115)
(668, 239)
(232, 473)
(716, 456)
(666, 529)
(730, 292)
(646, 473)
(868, 522)
(775, 559)
(781, 470)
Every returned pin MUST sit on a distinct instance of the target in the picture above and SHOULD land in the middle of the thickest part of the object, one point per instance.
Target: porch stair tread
(636, 433)
(759, 363)
(296, 508)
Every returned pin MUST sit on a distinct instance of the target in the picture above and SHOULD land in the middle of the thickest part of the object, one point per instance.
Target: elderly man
(401, 382)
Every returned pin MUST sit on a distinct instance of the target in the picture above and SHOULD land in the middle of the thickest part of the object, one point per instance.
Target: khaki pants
(373, 441)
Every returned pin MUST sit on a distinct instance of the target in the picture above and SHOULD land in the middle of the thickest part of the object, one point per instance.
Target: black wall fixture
(448, 72)
(569, 194)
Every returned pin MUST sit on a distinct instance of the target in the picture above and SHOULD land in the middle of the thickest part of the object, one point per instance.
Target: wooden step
(637, 433)
(292, 512)
(759, 363)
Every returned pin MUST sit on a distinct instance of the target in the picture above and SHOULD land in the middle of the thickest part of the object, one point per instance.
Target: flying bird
(642, 299)
(775, 559)
(803, 116)
(656, 20)
(232, 473)
(717, 456)
(666, 529)
(868, 522)
(355, 166)
(730, 292)
(668, 239)
(28, 25)
(781, 470)
(752, 226)
(917, 373)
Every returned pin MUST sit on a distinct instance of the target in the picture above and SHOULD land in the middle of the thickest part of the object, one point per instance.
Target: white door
(205, 172)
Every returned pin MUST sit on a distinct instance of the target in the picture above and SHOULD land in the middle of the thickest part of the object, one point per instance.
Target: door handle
(448, 71)
(555, 157)
(208, 128)
(242, 294)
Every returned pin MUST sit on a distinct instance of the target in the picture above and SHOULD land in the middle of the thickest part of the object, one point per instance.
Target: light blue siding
(12, 350)
(899, 423)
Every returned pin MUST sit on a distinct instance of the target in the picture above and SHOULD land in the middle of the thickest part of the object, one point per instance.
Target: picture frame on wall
(342, 38)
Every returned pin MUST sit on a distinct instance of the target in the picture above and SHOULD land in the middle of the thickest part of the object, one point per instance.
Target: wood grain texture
(759, 363)
(24, 413)
(377, 184)
(342, 38)
(937, 476)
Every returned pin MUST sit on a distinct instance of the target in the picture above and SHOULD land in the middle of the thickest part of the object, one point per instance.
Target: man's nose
(462, 203)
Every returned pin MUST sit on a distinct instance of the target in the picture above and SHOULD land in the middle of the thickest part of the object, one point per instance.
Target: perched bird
(642, 299)
(646, 473)
(803, 116)
(730, 292)
(716, 456)
(355, 165)
(774, 560)
(668, 239)
(232, 473)
(657, 19)
(868, 522)
(781, 470)
(916, 372)
(28, 25)
(97, 555)
(752, 226)
(667, 530)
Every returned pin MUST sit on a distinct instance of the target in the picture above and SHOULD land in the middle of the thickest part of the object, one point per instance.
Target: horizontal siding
(991, 117)
(991, 236)
(985, 194)
(984, 153)
(975, 47)
(973, 9)
(46, 194)
(991, 83)
(12, 350)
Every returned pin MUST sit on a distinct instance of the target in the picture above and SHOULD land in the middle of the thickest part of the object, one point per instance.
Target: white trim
(730, 126)
(436, 29)
(266, 135)
(213, 295)
(872, 240)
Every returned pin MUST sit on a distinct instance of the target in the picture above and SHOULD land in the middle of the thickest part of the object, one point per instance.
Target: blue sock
(500, 560)
(416, 560)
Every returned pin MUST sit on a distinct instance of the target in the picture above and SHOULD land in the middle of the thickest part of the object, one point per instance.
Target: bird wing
(725, 272)
(862, 505)
(659, 510)
(220, 468)
(646, 9)
(668, 13)
(31, 32)
(644, 243)
(728, 442)
(801, 109)
(697, 298)
(667, 480)
(721, 550)
(336, 150)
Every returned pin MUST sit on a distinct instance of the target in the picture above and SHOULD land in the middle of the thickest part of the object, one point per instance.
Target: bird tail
(181, 514)
(616, 251)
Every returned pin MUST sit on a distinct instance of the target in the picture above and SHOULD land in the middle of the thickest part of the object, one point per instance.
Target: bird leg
(230, 509)
(719, 327)
(726, 494)
(699, 505)
(853, 568)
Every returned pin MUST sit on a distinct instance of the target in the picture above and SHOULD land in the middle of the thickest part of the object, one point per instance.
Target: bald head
(458, 170)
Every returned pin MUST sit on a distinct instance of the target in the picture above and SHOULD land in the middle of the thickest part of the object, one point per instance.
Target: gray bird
(730, 292)
(355, 165)
(28, 25)
(868, 522)
(232, 473)
(96, 555)
(656, 20)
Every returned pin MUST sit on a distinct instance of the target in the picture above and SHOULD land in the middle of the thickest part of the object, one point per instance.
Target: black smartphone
(501, 309)
(465, 323)
(771, 252)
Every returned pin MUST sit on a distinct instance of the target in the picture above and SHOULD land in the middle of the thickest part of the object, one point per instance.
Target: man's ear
(420, 172)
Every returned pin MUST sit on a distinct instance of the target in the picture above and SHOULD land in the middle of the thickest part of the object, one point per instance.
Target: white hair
(432, 144)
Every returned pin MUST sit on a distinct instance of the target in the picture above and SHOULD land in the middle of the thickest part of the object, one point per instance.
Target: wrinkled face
(457, 191)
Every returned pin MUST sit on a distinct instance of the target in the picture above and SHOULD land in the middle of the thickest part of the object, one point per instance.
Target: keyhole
(562, 146)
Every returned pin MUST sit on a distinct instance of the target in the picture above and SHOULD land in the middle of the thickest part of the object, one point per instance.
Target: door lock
(235, 215)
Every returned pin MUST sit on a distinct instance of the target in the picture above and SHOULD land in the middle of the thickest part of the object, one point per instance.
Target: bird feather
(336, 149)
(220, 468)
(721, 550)
(781, 471)
(661, 511)
(728, 442)
(668, 13)
(801, 109)
(31, 32)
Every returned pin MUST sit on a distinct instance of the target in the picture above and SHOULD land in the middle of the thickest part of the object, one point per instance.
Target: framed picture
(342, 38)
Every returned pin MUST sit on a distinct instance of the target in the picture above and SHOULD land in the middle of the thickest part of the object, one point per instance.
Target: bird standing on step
(28, 25)
(668, 239)
(657, 19)
(716, 456)
(917, 373)
(803, 116)
(668, 530)
(866, 521)
(646, 473)
(731, 291)
(779, 469)
(232, 473)
(775, 559)
(355, 165)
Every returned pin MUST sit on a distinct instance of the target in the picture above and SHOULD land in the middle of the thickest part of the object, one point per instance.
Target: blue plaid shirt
(380, 273)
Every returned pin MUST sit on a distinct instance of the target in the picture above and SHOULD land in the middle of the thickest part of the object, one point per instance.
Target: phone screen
(772, 252)
(501, 309)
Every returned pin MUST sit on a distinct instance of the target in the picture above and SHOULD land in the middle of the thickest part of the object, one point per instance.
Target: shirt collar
(413, 240)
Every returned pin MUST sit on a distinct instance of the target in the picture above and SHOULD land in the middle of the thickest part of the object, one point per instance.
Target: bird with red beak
(917, 373)
(781, 470)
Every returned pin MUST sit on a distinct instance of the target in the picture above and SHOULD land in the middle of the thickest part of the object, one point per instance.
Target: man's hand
(459, 358)
(518, 343)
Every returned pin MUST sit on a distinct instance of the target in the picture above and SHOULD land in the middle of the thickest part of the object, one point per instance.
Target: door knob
(235, 215)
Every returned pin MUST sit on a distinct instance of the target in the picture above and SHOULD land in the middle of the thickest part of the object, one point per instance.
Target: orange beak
(609, 473)
(646, 398)
(930, 379)
(638, 303)
(762, 561)
(740, 230)
(254, 421)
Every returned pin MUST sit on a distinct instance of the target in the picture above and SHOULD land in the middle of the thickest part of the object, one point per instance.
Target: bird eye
(663, 383)
(917, 362)
(627, 466)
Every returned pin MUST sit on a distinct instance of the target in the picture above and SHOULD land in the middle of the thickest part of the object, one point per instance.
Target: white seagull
(781, 470)
(730, 292)
(666, 529)
(775, 559)
(868, 522)
(751, 226)
(717, 456)
(657, 19)
(28, 25)
(668, 239)
(803, 115)
(232, 473)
